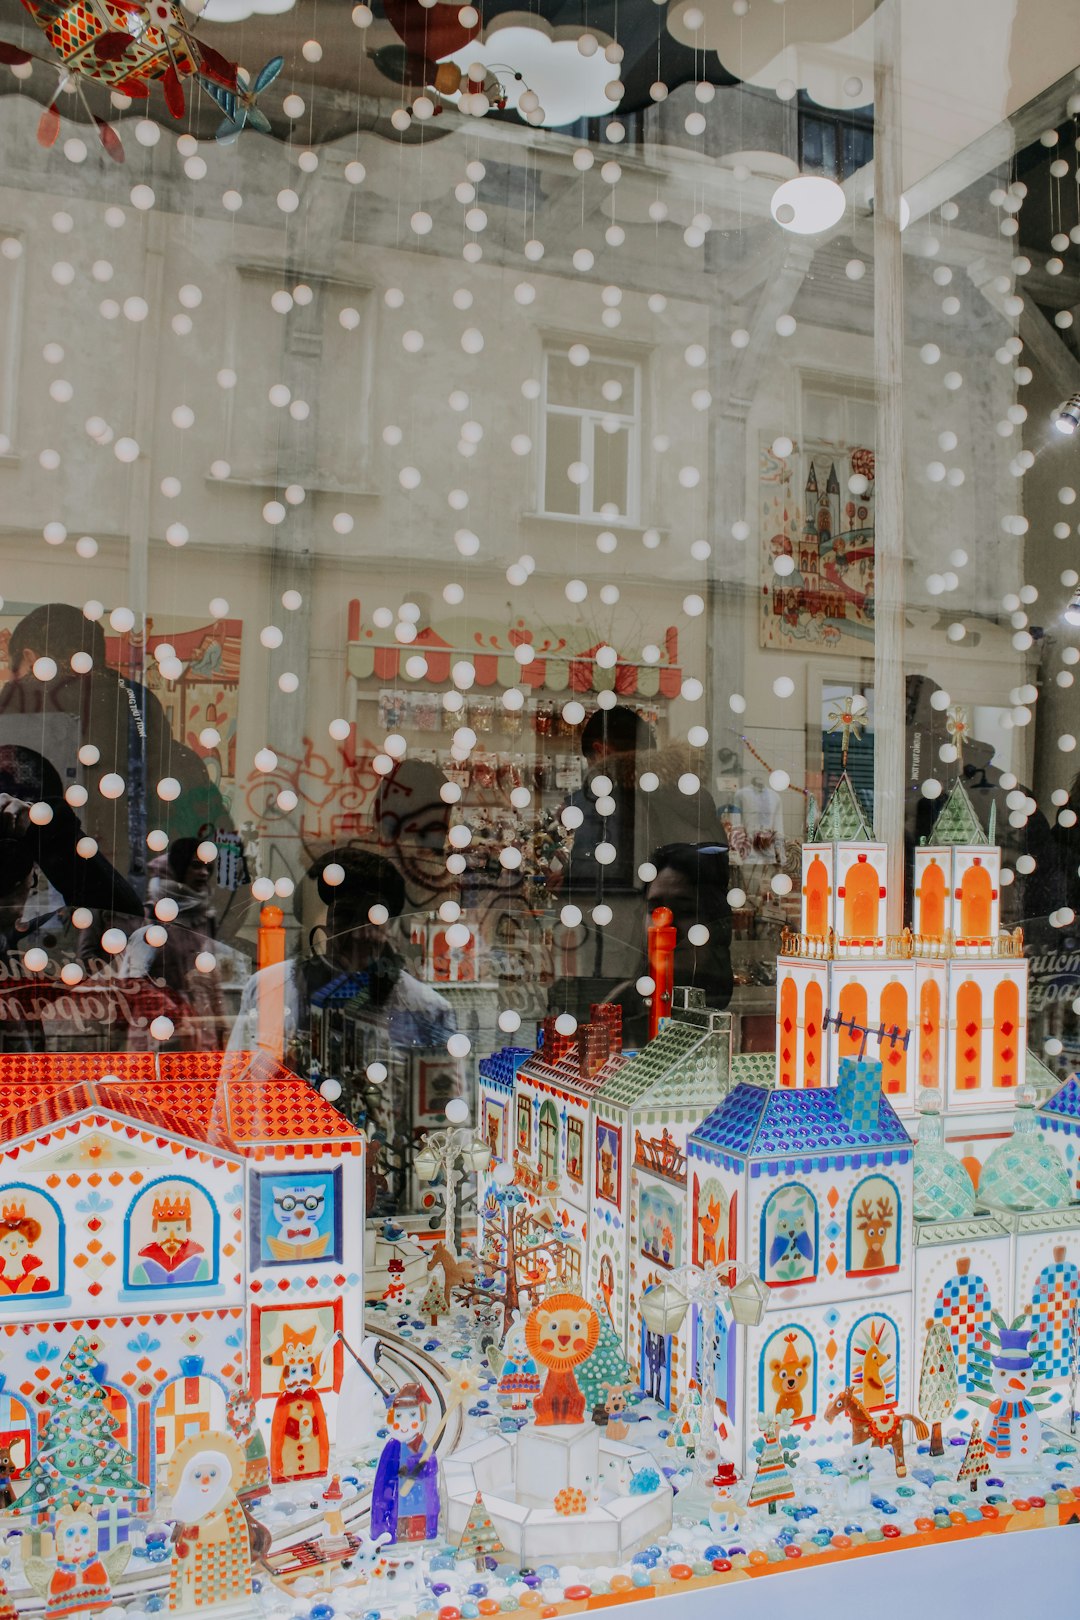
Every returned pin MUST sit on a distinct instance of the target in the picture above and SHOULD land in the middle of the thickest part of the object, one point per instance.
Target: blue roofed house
(813, 1189)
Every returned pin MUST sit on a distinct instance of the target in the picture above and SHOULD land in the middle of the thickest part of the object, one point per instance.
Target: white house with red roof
(196, 1215)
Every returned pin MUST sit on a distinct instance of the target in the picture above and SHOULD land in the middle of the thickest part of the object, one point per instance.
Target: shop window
(591, 422)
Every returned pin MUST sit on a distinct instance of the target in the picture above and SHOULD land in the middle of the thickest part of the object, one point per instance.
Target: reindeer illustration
(456, 1272)
(875, 1229)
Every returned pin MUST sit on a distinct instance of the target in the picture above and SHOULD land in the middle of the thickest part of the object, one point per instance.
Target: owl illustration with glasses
(297, 1221)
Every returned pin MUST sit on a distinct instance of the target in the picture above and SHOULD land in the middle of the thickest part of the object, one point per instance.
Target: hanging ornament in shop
(124, 45)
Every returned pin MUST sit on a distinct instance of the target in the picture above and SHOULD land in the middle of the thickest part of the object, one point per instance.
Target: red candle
(662, 938)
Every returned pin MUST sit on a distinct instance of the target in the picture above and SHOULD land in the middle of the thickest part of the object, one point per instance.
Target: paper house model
(198, 1212)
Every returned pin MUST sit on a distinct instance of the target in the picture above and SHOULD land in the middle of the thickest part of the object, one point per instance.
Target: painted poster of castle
(810, 513)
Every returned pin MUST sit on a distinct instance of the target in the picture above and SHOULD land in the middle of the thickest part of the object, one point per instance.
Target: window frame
(589, 420)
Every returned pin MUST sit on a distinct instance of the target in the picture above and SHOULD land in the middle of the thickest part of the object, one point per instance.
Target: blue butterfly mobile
(239, 105)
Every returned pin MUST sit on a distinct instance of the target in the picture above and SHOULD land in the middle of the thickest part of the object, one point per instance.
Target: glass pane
(562, 450)
(611, 452)
(583, 387)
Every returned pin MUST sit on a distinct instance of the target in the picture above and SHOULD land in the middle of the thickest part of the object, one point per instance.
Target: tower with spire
(942, 1004)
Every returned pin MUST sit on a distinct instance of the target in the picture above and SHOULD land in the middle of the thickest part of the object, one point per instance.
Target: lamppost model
(664, 1308)
(445, 1151)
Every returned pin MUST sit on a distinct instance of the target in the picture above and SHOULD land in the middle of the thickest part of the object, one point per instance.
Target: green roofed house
(598, 1142)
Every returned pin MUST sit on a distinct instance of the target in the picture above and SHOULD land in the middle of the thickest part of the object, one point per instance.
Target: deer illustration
(871, 1383)
(875, 1229)
(456, 1272)
(710, 1225)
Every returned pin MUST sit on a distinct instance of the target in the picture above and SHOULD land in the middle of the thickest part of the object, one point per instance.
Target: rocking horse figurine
(882, 1426)
(456, 1272)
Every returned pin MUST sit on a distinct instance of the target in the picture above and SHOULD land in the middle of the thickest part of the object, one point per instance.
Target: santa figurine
(1015, 1436)
(405, 1499)
(299, 1440)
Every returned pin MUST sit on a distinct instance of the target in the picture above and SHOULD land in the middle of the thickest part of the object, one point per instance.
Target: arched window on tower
(812, 1016)
(817, 898)
(894, 1016)
(932, 901)
(788, 1033)
(968, 1036)
(976, 902)
(852, 1006)
(862, 891)
(929, 1033)
(1007, 1049)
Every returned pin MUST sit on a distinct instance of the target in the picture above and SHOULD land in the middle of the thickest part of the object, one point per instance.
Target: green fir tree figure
(606, 1365)
(976, 1464)
(938, 1385)
(79, 1458)
(776, 1456)
(479, 1539)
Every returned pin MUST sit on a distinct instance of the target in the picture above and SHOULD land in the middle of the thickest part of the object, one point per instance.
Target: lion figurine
(561, 1332)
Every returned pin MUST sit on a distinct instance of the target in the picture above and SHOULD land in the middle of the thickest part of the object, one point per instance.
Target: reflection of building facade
(220, 1190)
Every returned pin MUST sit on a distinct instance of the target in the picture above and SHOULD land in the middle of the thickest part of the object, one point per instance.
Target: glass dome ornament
(1026, 1172)
(943, 1188)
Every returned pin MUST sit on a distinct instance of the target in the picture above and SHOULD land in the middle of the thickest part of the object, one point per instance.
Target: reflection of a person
(692, 881)
(46, 871)
(412, 819)
(349, 945)
(1030, 898)
(116, 715)
(19, 1266)
(612, 741)
(196, 1005)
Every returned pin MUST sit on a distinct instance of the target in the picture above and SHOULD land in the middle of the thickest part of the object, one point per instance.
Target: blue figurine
(405, 1500)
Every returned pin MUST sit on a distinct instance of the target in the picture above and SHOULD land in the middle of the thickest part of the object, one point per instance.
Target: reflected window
(591, 436)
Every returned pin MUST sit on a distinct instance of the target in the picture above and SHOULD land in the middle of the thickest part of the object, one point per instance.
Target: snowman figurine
(1014, 1440)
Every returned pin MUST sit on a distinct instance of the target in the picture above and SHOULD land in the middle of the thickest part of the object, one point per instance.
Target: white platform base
(520, 1475)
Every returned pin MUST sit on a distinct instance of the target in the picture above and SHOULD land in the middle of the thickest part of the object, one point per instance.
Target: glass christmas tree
(773, 1481)
(939, 1387)
(79, 1458)
(606, 1365)
(479, 1539)
(976, 1464)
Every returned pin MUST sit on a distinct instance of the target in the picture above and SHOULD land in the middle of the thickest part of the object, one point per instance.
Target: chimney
(594, 1047)
(858, 1091)
(555, 1045)
(609, 1014)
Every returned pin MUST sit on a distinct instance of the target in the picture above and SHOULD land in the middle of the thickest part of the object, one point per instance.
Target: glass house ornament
(943, 1188)
(1026, 1172)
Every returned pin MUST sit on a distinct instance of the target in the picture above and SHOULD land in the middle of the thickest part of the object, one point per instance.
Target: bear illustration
(789, 1376)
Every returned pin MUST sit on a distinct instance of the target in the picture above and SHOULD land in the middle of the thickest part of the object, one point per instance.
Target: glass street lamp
(454, 1152)
(664, 1309)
